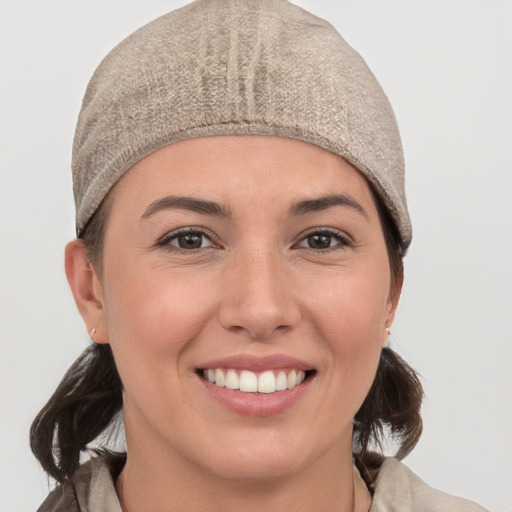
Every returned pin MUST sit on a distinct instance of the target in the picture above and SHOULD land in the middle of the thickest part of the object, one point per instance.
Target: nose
(258, 297)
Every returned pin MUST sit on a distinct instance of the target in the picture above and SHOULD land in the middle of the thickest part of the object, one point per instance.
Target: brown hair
(89, 397)
(394, 401)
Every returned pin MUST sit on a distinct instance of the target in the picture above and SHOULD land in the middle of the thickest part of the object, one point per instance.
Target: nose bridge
(259, 297)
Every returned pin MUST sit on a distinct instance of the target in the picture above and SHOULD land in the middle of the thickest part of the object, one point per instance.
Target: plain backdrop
(446, 66)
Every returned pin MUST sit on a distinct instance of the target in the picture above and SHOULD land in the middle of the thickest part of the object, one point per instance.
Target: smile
(257, 386)
(246, 381)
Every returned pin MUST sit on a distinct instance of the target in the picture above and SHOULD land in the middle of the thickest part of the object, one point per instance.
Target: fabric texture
(397, 489)
(249, 67)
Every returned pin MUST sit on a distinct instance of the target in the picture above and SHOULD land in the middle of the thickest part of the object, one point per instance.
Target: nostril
(258, 323)
(259, 300)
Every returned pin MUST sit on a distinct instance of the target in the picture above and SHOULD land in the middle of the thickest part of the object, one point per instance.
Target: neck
(154, 479)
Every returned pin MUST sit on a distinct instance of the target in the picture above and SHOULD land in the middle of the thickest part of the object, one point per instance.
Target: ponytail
(393, 403)
(84, 404)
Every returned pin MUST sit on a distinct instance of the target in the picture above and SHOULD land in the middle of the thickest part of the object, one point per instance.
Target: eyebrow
(204, 207)
(186, 203)
(325, 202)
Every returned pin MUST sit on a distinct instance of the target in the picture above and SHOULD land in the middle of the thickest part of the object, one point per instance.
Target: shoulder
(398, 489)
(91, 489)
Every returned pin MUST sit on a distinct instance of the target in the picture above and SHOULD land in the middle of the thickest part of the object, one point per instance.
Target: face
(237, 262)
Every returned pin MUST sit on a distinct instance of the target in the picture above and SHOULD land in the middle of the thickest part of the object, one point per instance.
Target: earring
(93, 332)
(387, 329)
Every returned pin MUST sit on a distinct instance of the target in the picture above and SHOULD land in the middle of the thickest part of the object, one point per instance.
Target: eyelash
(165, 242)
(343, 240)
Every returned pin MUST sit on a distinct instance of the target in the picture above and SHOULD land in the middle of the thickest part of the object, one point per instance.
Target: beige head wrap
(218, 67)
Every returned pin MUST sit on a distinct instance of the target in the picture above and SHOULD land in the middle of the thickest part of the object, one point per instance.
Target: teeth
(219, 378)
(250, 382)
(232, 380)
(281, 382)
(266, 382)
(292, 379)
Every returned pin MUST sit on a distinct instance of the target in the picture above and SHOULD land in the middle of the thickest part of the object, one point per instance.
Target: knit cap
(227, 67)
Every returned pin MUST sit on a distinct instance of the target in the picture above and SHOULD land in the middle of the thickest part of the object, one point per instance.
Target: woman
(241, 221)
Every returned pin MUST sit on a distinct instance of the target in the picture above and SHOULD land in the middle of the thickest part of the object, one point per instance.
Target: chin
(257, 468)
(256, 458)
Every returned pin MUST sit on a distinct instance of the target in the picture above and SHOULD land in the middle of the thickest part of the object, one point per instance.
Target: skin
(255, 286)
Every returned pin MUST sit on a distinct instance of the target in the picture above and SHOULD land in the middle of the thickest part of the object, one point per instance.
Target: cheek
(152, 318)
(350, 320)
(352, 307)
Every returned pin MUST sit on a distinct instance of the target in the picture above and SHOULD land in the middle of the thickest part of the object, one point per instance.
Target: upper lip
(257, 363)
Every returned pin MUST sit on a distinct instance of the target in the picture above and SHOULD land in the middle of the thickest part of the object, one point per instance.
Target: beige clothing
(397, 489)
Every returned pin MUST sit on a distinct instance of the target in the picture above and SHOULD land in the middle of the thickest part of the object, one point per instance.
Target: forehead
(237, 168)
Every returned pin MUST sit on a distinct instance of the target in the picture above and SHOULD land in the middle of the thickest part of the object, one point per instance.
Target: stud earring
(93, 332)
(388, 330)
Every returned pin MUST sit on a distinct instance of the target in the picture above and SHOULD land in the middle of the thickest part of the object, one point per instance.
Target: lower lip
(256, 404)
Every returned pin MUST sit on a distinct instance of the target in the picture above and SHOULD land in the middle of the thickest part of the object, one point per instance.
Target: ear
(87, 290)
(393, 300)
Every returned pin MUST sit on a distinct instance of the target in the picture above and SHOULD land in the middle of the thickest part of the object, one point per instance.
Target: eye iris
(190, 241)
(319, 241)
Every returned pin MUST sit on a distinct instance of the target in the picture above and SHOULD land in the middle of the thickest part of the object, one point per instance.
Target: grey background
(446, 66)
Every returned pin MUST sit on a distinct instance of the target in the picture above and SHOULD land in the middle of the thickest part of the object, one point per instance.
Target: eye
(186, 240)
(325, 239)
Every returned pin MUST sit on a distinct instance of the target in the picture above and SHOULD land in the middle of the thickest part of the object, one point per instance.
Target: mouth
(268, 381)
(257, 386)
